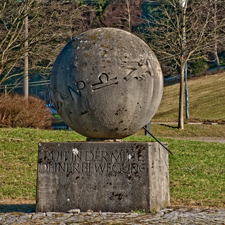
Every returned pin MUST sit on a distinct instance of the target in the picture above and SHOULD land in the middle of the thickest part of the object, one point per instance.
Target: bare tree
(51, 25)
(12, 17)
(123, 14)
(218, 11)
(181, 34)
(58, 22)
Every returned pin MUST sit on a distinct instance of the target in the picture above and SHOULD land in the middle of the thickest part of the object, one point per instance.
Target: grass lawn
(197, 169)
(171, 130)
(206, 100)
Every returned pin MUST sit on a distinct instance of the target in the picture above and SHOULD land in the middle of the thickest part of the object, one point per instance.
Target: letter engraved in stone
(131, 74)
(143, 168)
(54, 90)
(148, 68)
(69, 167)
(109, 167)
(134, 168)
(80, 85)
(140, 154)
(116, 168)
(106, 156)
(85, 167)
(89, 156)
(42, 167)
(61, 167)
(104, 82)
(51, 167)
(76, 89)
(72, 162)
(75, 167)
(99, 167)
(98, 156)
(125, 167)
(118, 157)
(77, 156)
(91, 167)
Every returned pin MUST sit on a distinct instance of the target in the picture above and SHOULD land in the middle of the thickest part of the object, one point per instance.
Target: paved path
(170, 216)
(205, 139)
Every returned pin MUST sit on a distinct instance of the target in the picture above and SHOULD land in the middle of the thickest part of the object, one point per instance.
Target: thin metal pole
(186, 92)
(26, 78)
(185, 68)
(158, 141)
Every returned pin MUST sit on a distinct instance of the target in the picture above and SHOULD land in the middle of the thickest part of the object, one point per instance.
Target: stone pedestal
(106, 176)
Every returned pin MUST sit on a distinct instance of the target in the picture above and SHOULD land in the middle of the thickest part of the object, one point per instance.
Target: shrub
(198, 66)
(15, 111)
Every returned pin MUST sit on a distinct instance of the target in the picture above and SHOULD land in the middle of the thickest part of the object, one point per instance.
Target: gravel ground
(24, 215)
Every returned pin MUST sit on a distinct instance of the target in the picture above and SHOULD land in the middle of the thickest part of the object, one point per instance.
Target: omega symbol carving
(104, 82)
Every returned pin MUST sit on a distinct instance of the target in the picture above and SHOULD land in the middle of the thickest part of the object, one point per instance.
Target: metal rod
(158, 141)
(186, 92)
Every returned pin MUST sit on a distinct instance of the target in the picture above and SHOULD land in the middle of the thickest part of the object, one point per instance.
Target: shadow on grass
(25, 208)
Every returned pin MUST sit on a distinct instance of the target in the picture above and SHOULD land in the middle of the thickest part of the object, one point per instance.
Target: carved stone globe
(106, 83)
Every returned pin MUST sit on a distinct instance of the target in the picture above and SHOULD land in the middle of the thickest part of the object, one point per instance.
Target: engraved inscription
(104, 81)
(54, 90)
(139, 70)
(77, 89)
(76, 162)
(80, 85)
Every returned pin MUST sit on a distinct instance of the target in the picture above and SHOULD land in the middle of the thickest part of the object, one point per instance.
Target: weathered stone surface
(106, 83)
(116, 177)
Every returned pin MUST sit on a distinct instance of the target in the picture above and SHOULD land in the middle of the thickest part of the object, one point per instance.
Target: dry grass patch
(206, 99)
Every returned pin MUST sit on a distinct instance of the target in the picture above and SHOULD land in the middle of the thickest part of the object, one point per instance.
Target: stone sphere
(106, 83)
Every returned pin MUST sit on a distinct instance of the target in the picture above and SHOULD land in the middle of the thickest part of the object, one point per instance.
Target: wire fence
(38, 88)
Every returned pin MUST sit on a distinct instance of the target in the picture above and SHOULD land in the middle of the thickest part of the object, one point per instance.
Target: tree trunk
(129, 15)
(26, 79)
(181, 99)
(215, 36)
(216, 57)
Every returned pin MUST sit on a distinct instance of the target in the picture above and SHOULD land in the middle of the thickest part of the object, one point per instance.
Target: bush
(200, 65)
(15, 111)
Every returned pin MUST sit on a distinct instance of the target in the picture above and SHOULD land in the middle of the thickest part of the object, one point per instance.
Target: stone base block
(102, 176)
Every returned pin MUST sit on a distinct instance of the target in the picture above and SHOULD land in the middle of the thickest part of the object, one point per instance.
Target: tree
(123, 14)
(51, 25)
(218, 16)
(12, 17)
(181, 34)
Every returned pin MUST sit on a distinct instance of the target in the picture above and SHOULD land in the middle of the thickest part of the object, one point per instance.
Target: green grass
(18, 159)
(171, 130)
(206, 99)
(197, 171)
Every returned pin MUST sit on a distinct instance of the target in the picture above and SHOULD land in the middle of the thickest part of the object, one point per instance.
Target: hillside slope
(206, 100)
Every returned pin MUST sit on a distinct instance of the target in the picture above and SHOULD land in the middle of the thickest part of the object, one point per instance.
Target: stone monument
(106, 84)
